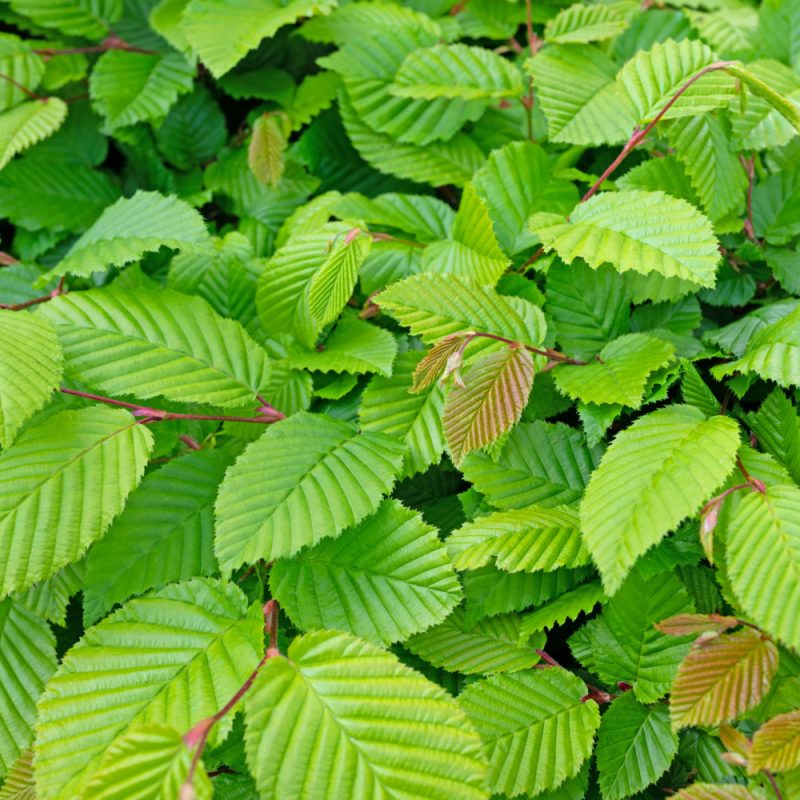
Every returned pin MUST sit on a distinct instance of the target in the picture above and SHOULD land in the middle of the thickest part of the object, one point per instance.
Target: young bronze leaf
(267, 149)
(696, 624)
(776, 745)
(495, 392)
(436, 360)
(715, 791)
(721, 679)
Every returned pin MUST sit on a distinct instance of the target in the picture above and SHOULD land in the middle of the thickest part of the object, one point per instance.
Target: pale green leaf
(383, 580)
(47, 472)
(49, 598)
(566, 606)
(681, 459)
(583, 23)
(316, 476)
(88, 18)
(28, 123)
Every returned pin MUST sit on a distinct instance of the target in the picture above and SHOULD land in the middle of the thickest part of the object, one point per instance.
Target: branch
(553, 355)
(639, 135)
(750, 168)
(7, 260)
(36, 300)
(23, 88)
(111, 42)
(267, 417)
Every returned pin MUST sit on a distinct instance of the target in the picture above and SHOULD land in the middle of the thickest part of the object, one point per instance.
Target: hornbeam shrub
(398, 400)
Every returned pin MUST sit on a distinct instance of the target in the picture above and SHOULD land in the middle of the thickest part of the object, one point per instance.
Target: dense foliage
(399, 400)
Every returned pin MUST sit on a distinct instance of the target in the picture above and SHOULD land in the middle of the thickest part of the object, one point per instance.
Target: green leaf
(536, 730)
(540, 463)
(788, 108)
(267, 150)
(130, 228)
(635, 746)
(165, 344)
(20, 65)
(433, 306)
(320, 473)
(777, 427)
(491, 645)
(388, 407)
(681, 459)
(28, 123)
(31, 364)
(620, 372)
(49, 466)
(127, 88)
(333, 284)
(49, 598)
(489, 402)
(148, 761)
(762, 555)
(165, 658)
(634, 230)
(164, 534)
(310, 706)
(525, 539)
(383, 580)
(580, 24)
(87, 18)
(457, 70)
(773, 353)
(27, 660)
(776, 204)
(568, 605)
(650, 80)
(245, 25)
(575, 85)
(776, 744)
(19, 783)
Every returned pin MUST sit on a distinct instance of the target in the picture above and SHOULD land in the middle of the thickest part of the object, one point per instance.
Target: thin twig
(551, 354)
(59, 290)
(773, 783)
(22, 88)
(750, 169)
(7, 260)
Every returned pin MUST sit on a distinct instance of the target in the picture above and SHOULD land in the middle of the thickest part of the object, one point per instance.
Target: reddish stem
(7, 260)
(773, 784)
(639, 135)
(148, 414)
(551, 354)
(387, 237)
(750, 169)
(36, 300)
(22, 88)
(111, 42)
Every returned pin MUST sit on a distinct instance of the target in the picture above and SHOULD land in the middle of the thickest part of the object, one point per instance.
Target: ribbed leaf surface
(165, 533)
(619, 374)
(130, 228)
(89, 18)
(536, 730)
(315, 475)
(716, 791)
(580, 23)
(311, 705)
(776, 745)
(245, 22)
(457, 70)
(635, 746)
(127, 88)
(388, 407)
(722, 678)
(28, 123)
(491, 400)
(525, 539)
(163, 344)
(20, 65)
(31, 364)
(27, 660)
(50, 511)
(173, 657)
(382, 580)
(681, 458)
(491, 645)
(650, 79)
(433, 306)
(566, 606)
(634, 230)
(540, 463)
(148, 761)
(763, 559)
(19, 783)
(49, 598)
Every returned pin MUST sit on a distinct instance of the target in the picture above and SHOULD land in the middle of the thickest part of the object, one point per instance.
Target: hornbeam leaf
(383, 580)
(28, 123)
(19, 783)
(526, 539)
(696, 624)
(681, 458)
(21, 65)
(47, 472)
(165, 658)
(635, 746)
(776, 744)
(490, 401)
(788, 108)
(721, 679)
(130, 228)
(87, 18)
(315, 475)
(535, 727)
(580, 23)
(716, 791)
(164, 343)
(31, 364)
(457, 70)
(267, 149)
(650, 80)
(148, 761)
(164, 534)
(310, 707)
(647, 232)
(762, 555)
(566, 606)
(27, 660)
(491, 645)
(619, 374)
(433, 365)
